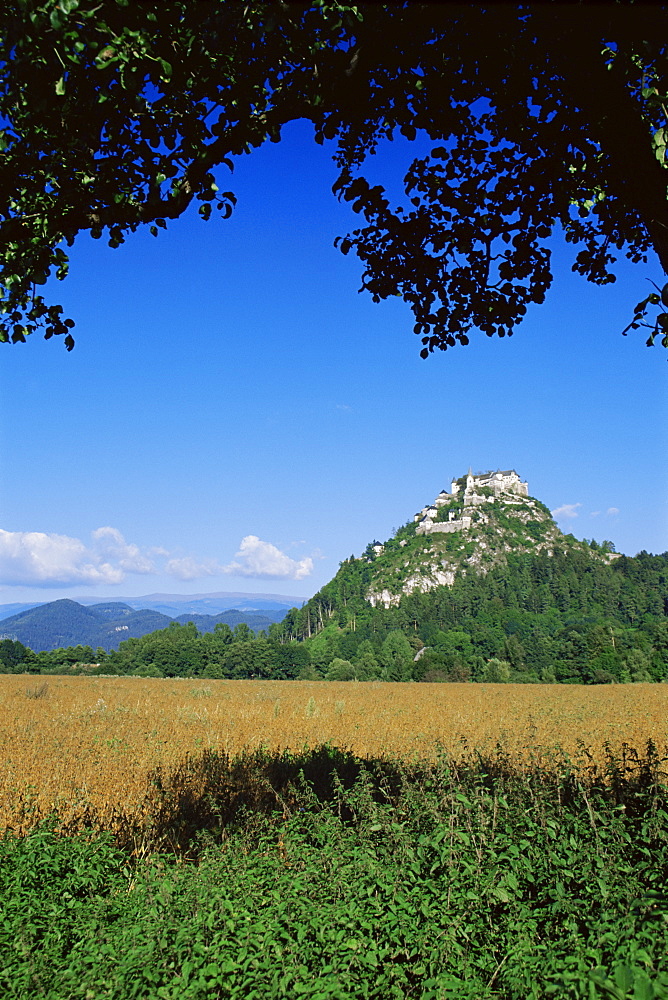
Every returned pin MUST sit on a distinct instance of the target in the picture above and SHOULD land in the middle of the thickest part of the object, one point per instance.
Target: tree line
(565, 618)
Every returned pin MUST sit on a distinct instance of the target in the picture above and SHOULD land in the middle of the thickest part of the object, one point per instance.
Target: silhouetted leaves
(117, 115)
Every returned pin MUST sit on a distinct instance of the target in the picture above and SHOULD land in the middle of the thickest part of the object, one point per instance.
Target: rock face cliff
(477, 525)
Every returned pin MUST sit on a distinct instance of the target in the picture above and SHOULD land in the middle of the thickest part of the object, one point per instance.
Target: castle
(465, 495)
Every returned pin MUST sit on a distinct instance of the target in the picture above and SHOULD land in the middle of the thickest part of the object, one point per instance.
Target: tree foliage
(466, 878)
(566, 618)
(545, 117)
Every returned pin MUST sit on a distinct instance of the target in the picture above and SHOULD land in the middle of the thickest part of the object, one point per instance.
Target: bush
(496, 671)
(311, 875)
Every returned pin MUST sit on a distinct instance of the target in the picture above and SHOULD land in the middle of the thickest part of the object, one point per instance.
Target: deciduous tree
(543, 118)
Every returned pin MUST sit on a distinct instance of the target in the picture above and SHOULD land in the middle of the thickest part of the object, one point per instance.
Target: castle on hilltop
(466, 493)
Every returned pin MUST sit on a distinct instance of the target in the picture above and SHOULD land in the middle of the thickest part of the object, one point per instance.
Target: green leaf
(644, 990)
(60, 86)
(623, 976)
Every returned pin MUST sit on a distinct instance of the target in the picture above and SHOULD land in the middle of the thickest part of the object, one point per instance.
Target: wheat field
(88, 749)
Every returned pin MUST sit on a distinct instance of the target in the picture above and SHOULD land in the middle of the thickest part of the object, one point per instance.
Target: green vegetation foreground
(334, 877)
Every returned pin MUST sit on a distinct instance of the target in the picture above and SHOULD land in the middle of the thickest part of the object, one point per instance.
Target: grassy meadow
(266, 839)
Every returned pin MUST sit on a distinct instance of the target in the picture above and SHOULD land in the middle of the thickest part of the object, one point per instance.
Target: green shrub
(333, 877)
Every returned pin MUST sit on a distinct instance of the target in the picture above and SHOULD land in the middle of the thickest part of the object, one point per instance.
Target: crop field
(188, 840)
(100, 751)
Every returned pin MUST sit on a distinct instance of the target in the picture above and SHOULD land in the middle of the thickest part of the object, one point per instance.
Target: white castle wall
(498, 482)
(427, 527)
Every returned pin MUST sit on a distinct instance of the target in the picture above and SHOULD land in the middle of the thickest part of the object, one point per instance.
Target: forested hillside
(104, 626)
(566, 617)
(479, 586)
(522, 602)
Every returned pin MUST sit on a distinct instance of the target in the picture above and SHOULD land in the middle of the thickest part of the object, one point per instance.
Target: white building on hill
(466, 491)
(499, 482)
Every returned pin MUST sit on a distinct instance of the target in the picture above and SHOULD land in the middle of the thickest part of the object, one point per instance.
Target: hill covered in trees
(479, 586)
(504, 597)
(60, 623)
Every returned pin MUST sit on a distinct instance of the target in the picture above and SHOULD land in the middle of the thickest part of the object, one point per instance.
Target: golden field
(89, 748)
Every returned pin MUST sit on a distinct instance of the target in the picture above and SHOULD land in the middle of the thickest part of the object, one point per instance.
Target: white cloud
(41, 559)
(128, 556)
(157, 550)
(611, 511)
(187, 568)
(38, 559)
(594, 513)
(47, 560)
(566, 510)
(262, 559)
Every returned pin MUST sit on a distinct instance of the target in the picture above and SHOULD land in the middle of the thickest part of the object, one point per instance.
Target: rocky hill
(469, 530)
(482, 585)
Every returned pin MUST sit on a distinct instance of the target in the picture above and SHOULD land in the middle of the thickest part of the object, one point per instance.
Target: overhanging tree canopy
(543, 117)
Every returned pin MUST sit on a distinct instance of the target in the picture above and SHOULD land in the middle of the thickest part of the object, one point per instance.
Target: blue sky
(235, 416)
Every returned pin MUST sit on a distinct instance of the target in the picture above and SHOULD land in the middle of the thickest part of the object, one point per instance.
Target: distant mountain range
(174, 605)
(70, 623)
